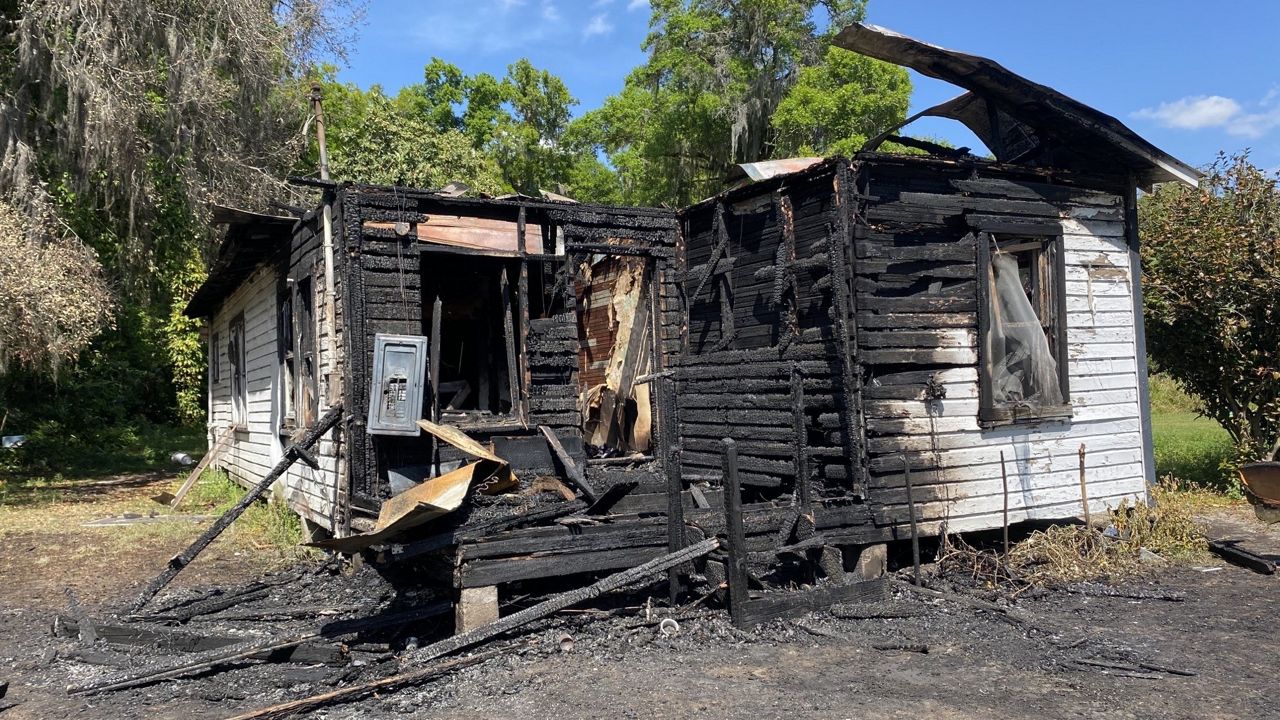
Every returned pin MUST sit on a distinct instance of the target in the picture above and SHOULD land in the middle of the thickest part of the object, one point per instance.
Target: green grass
(1168, 397)
(1192, 452)
(268, 524)
(54, 451)
(1195, 450)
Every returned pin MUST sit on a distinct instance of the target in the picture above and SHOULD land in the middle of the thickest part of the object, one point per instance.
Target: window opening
(239, 379)
(477, 307)
(1023, 329)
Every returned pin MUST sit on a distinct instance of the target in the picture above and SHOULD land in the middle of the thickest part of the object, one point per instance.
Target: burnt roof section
(773, 181)
(252, 239)
(1021, 121)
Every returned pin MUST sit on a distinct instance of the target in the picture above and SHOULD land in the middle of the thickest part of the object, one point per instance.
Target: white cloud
(1215, 111)
(598, 25)
(1193, 113)
(550, 12)
(508, 4)
(1255, 125)
(637, 4)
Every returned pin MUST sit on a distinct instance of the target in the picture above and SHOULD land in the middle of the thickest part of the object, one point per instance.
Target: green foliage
(184, 350)
(528, 140)
(374, 139)
(266, 525)
(836, 106)
(719, 73)
(1168, 397)
(1212, 282)
(56, 449)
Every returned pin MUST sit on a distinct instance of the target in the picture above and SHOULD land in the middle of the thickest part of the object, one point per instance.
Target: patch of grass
(1166, 526)
(55, 451)
(270, 526)
(1065, 554)
(1195, 451)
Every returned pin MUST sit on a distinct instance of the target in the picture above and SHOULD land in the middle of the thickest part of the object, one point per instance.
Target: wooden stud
(436, 352)
(736, 538)
(1084, 492)
(841, 314)
(522, 298)
(915, 532)
(1004, 476)
(801, 439)
(509, 338)
(675, 484)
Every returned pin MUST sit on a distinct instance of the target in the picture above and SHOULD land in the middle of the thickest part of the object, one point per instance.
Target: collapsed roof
(1020, 121)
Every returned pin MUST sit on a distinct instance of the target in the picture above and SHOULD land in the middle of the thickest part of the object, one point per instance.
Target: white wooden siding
(259, 446)
(1042, 462)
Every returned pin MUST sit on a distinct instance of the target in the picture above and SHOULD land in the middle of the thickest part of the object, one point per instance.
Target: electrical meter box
(399, 379)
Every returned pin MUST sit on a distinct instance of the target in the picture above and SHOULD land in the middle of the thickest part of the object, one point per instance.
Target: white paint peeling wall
(1042, 462)
(258, 446)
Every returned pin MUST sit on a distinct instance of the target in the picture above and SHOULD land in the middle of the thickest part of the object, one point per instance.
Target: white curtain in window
(1021, 367)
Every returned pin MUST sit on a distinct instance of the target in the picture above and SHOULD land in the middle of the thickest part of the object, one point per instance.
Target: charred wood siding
(916, 291)
(766, 286)
(383, 294)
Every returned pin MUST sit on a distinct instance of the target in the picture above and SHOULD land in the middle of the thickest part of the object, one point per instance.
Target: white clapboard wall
(258, 445)
(959, 480)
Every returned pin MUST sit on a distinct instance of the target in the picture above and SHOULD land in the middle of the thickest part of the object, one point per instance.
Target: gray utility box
(399, 380)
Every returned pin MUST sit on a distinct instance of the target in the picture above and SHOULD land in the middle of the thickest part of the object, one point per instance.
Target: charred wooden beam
(736, 567)
(777, 605)
(509, 341)
(181, 560)
(453, 537)
(801, 440)
(242, 651)
(571, 470)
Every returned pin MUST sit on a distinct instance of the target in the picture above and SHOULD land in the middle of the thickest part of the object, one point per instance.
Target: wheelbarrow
(1262, 487)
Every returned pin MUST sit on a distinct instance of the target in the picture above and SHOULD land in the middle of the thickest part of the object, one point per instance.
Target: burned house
(530, 388)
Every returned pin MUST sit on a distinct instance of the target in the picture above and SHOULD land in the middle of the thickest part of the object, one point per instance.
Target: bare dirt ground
(1223, 633)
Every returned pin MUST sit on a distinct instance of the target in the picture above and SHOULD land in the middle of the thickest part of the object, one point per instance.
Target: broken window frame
(299, 396)
(236, 357)
(1049, 301)
(215, 359)
(306, 400)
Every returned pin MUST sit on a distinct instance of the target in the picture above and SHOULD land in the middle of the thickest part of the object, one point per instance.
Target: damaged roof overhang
(1033, 124)
(251, 240)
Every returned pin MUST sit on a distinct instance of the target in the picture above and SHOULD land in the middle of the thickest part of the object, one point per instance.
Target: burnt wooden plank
(778, 605)
(479, 573)
(633, 534)
(920, 304)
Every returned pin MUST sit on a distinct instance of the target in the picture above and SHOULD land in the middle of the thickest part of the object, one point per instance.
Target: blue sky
(1194, 77)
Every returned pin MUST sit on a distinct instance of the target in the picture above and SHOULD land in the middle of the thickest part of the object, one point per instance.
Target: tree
(52, 297)
(119, 123)
(706, 98)
(519, 120)
(839, 104)
(377, 140)
(528, 140)
(1212, 286)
